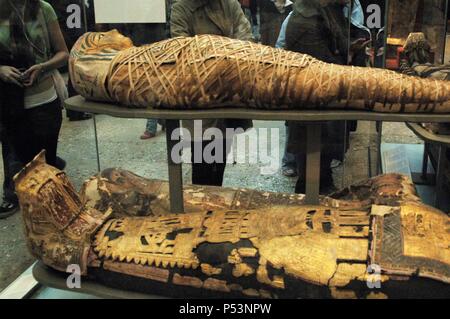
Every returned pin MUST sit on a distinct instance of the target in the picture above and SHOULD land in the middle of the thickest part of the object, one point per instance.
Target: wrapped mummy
(391, 245)
(127, 194)
(211, 71)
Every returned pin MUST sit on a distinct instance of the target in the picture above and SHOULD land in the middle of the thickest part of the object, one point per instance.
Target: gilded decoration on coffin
(267, 252)
(161, 242)
(425, 235)
(413, 240)
(278, 240)
(58, 229)
(227, 226)
(210, 270)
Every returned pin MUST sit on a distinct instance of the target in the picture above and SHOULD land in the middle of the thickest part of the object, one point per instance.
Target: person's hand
(359, 45)
(9, 74)
(30, 76)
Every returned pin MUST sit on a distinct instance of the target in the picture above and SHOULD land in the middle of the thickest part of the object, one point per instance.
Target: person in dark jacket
(319, 28)
(272, 14)
(220, 17)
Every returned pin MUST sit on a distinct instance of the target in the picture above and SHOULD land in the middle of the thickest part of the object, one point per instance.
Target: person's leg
(44, 125)
(150, 129)
(217, 173)
(334, 137)
(300, 186)
(327, 155)
(219, 168)
(296, 145)
(11, 166)
(332, 149)
(201, 172)
(152, 126)
(288, 166)
(326, 175)
(210, 174)
(163, 124)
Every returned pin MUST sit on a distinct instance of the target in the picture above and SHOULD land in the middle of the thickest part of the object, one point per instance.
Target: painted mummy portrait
(209, 71)
(251, 244)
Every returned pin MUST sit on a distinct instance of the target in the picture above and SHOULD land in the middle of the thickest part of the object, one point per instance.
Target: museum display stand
(313, 119)
(57, 280)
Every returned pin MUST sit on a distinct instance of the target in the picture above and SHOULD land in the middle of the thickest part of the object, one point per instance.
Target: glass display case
(384, 26)
(374, 35)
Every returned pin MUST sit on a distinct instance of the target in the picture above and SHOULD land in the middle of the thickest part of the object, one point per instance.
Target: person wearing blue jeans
(150, 129)
(289, 162)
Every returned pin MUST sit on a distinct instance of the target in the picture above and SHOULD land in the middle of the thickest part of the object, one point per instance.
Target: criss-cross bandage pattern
(212, 71)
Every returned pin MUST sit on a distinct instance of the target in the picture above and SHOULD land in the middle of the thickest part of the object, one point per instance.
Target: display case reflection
(416, 16)
(367, 27)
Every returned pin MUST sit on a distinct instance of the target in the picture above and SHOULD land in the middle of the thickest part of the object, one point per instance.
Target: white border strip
(22, 287)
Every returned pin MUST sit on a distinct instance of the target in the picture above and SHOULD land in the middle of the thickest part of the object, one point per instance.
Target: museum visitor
(31, 51)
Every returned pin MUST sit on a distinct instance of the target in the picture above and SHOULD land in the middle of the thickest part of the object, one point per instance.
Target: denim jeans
(152, 126)
(22, 139)
(289, 160)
